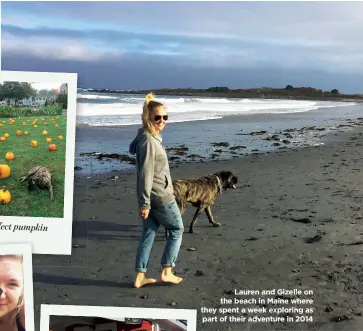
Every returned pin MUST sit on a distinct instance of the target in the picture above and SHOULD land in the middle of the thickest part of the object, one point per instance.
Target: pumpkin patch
(22, 147)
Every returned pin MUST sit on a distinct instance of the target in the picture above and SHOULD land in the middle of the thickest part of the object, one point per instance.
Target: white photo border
(112, 312)
(58, 239)
(25, 251)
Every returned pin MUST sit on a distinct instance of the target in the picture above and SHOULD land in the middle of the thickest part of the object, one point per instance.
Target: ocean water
(100, 109)
(107, 123)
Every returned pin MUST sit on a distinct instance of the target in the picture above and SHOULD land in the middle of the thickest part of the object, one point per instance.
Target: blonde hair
(149, 106)
(21, 298)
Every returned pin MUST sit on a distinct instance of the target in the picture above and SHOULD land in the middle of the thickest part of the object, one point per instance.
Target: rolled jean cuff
(141, 270)
(168, 265)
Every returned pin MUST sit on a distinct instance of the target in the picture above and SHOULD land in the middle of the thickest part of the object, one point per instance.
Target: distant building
(63, 89)
(37, 101)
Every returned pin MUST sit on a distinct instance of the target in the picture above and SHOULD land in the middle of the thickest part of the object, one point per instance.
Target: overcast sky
(132, 45)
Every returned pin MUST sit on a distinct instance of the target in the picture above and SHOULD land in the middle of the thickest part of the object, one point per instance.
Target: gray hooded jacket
(154, 185)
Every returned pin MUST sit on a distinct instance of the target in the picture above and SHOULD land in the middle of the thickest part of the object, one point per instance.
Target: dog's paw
(191, 230)
(217, 225)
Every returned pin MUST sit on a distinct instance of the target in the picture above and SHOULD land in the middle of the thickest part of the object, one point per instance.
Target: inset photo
(86, 318)
(37, 143)
(16, 288)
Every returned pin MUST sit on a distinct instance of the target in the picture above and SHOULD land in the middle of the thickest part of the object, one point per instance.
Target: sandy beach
(294, 222)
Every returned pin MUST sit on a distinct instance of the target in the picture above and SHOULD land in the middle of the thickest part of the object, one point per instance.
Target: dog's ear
(225, 176)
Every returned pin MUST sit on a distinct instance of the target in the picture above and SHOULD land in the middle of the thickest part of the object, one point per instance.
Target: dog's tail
(24, 178)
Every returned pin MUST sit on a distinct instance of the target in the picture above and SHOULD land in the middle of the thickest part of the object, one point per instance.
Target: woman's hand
(144, 213)
(22, 316)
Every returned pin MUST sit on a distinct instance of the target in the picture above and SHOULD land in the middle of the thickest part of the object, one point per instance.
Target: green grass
(32, 203)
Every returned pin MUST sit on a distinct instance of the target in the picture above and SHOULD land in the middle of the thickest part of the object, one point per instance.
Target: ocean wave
(91, 109)
(102, 122)
(94, 96)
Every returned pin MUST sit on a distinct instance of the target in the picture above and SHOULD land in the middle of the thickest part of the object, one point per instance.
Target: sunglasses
(158, 118)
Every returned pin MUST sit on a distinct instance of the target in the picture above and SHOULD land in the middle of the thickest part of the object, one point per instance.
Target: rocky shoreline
(281, 139)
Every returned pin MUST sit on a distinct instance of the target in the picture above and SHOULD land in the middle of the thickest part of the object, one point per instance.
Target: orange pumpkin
(6, 135)
(19, 132)
(44, 132)
(1, 125)
(60, 137)
(4, 171)
(48, 140)
(9, 156)
(2, 138)
(52, 147)
(34, 143)
(5, 196)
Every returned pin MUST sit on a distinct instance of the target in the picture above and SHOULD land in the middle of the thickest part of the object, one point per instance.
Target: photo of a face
(11, 293)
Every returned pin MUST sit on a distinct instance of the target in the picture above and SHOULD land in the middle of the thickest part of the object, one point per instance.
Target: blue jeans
(168, 216)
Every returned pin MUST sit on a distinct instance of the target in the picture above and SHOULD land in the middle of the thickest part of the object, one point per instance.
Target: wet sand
(294, 222)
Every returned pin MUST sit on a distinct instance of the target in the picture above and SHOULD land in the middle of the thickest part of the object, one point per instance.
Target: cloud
(185, 38)
(67, 50)
(309, 20)
(151, 73)
(241, 52)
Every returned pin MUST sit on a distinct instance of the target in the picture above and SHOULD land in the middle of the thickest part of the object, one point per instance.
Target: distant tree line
(16, 91)
(310, 89)
(21, 90)
(289, 92)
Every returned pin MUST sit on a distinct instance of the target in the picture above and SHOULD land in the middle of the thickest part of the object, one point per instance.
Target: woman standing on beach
(157, 205)
(12, 316)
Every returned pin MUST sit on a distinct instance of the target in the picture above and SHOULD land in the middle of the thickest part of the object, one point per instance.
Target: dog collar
(219, 184)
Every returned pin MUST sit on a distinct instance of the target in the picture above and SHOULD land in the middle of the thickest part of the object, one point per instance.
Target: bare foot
(141, 280)
(167, 276)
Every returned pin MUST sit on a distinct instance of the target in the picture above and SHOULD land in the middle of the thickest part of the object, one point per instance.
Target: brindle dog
(39, 178)
(202, 193)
